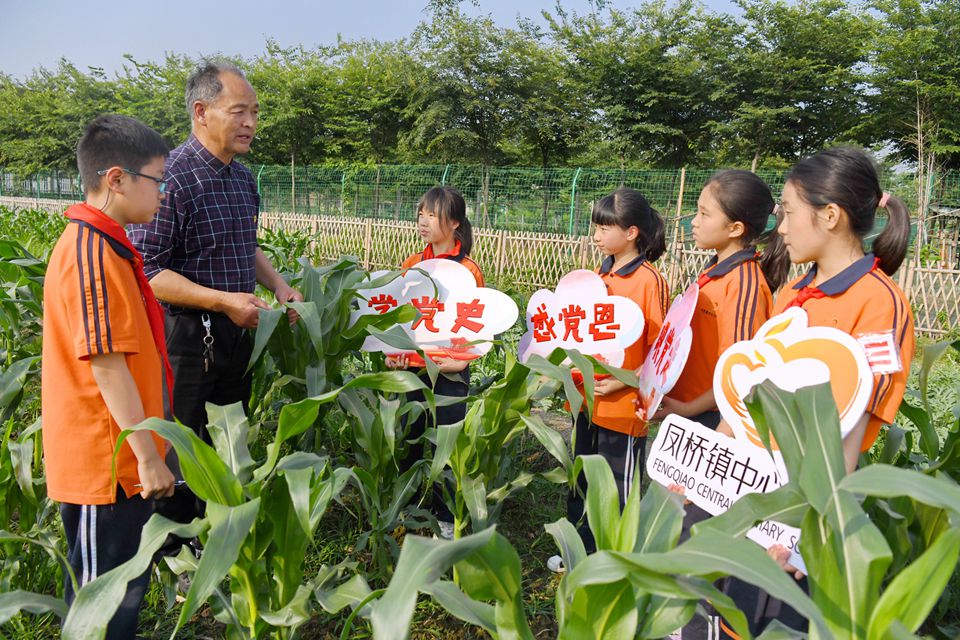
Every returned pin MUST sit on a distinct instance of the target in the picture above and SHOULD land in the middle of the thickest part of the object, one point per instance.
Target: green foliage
(660, 84)
(853, 576)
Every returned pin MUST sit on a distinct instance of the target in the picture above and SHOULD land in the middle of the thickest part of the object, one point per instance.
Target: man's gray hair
(204, 84)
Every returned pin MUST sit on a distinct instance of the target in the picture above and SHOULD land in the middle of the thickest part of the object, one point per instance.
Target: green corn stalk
(489, 568)
(860, 593)
(480, 450)
(373, 428)
(308, 358)
(261, 518)
(21, 302)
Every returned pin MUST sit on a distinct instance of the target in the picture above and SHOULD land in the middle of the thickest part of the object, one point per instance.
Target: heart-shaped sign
(665, 361)
(581, 315)
(792, 355)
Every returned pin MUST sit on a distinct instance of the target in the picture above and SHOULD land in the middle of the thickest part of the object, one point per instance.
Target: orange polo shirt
(860, 300)
(734, 301)
(92, 306)
(457, 256)
(643, 283)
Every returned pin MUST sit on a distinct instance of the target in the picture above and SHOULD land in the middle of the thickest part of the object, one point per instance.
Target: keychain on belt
(207, 342)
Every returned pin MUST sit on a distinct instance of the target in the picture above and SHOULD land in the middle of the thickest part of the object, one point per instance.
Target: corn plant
(308, 358)
(479, 450)
(374, 433)
(855, 583)
(908, 527)
(21, 301)
(637, 585)
(313, 350)
(260, 521)
(488, 568)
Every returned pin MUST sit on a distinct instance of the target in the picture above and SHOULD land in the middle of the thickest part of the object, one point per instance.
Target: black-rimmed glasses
(161, 183)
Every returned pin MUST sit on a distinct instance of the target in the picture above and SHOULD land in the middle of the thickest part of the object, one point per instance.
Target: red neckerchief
(108, 226)
(428, 252)
(705, 277)
(807, 292)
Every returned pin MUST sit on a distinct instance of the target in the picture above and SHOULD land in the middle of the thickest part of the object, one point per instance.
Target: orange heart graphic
(792, 355)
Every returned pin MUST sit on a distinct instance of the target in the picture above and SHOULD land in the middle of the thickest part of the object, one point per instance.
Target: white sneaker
(446, 529)
(555, 564)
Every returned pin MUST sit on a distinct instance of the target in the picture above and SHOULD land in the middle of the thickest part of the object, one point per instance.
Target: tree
(792, 81)
(641, 81)
(914, 103)
(374, 83)
(294, 87)
(42, 118)
(463, 98)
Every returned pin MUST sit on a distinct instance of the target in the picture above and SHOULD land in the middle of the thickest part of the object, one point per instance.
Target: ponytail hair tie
(884, 199)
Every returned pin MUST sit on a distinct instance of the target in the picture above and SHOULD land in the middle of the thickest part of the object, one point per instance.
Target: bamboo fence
(521, 262)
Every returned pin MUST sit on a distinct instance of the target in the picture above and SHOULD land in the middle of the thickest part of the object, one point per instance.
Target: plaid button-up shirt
(206, 228)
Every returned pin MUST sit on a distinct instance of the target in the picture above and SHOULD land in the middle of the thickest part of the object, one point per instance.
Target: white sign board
(665, 361)
(715, 471)
(581, 315)
(454, 311)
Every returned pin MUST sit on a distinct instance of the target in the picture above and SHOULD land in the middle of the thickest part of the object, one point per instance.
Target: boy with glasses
(105, 362)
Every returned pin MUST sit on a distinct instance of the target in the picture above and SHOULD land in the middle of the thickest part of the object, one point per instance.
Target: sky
(37, 33)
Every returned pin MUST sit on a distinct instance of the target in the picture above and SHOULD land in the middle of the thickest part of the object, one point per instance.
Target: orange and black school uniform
(96, 301)
(734, 301)
(456, 254)
(457, 385)
(614, 431)
(860, 300)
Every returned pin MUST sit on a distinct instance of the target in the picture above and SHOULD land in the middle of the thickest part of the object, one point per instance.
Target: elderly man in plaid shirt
(200, 252)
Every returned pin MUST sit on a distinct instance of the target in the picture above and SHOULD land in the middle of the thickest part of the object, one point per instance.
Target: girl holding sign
(630, 234)
(733, 210)
(830, 202)
(442, 223)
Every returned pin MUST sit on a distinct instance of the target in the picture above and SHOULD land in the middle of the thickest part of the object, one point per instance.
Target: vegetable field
(313, 531)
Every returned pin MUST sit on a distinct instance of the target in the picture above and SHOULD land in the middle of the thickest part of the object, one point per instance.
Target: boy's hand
(156, 480)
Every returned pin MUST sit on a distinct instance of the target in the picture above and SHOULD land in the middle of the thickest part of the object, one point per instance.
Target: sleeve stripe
(103, 288)
(897, 309)
(664, 295)
(661, 284)
(757, 276)
(740, 327)
(83, 291)
(92, 275)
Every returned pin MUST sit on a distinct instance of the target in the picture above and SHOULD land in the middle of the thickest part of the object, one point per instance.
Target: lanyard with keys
(207, 342)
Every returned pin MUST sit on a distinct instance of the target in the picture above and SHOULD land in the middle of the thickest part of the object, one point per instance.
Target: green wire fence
(552, 200)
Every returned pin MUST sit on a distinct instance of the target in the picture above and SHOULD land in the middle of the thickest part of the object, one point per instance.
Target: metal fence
(552, 200)
(523, 261)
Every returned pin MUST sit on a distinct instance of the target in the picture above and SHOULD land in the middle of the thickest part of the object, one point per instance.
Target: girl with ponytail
(830, 202)
(733, 217)
(733, 214)
(630, 234)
